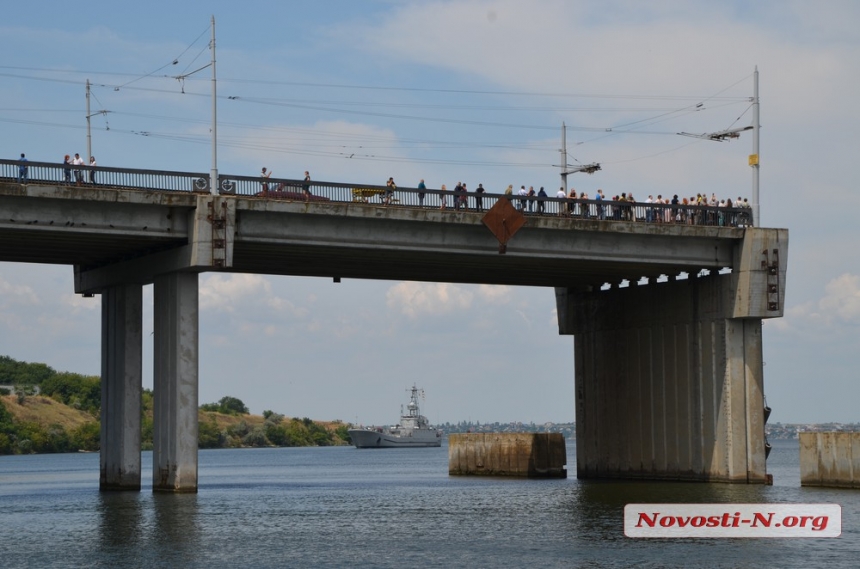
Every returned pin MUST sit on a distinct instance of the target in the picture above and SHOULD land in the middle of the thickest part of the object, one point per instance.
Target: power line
(405, 89)
(353, 108)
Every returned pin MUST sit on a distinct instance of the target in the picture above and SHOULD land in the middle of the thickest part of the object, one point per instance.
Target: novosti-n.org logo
(732, 520)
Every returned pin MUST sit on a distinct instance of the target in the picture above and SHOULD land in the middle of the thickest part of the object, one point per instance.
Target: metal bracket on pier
(770, 264)
(218, 221)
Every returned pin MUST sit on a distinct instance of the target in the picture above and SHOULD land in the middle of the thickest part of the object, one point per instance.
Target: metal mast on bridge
(587, 168)
(753, 161)
(213, 176)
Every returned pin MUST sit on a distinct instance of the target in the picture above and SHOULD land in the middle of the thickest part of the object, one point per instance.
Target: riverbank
(33, 424)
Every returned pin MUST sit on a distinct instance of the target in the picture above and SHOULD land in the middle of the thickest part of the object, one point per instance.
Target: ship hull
(366, 438)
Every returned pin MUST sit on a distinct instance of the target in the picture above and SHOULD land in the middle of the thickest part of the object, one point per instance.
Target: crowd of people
(75, 163)
(70, 165)
(695, 210)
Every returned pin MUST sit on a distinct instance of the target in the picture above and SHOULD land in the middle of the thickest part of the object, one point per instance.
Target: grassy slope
(45, 411)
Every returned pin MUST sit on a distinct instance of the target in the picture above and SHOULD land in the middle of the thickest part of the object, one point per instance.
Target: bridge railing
(372, 195)
(68, 174)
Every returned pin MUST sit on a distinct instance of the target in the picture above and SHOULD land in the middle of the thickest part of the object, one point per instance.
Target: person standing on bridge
(458, 193)
(390, 186)
(522, 202)
(93, 170)
(265, 175)
(306, 187)
(541, 205)
(22, 170)
(479, 199)
(79, 176)
(67, 172)
(601, 213)
(442, 196)
(421, 188)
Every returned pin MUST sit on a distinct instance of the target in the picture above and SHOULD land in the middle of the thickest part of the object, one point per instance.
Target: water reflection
(120, 519)
(176, 531)
(137, 529)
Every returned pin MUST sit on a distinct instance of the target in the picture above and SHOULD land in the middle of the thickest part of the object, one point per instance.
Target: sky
(466, 90)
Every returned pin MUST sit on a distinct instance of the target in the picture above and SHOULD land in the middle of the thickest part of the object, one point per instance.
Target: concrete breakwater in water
(530, 455)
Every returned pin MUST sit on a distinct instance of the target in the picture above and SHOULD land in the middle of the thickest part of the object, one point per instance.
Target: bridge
(666, 316)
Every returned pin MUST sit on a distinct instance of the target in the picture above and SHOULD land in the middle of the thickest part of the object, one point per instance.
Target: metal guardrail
(298, 190)
(100, 176)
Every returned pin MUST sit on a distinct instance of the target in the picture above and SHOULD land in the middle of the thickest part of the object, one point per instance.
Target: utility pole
(89, 130)
(89, 133)
(754, 159)
(564, 157)
(213, 176)
(587, 168)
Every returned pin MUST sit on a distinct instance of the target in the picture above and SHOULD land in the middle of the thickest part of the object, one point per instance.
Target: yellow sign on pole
(753, 159)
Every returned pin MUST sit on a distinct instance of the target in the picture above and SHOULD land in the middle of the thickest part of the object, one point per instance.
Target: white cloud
(17, 294)
(842, 302)
(15, 300)
(77, 303)
(226, 293)
(249, 305)
(418, 299)
(495, 294)
(839, 306)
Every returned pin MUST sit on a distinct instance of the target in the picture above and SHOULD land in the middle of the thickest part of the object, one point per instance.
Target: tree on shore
(227, 405)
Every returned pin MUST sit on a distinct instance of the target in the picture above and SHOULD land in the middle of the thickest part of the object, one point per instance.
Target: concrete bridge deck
(93, 228)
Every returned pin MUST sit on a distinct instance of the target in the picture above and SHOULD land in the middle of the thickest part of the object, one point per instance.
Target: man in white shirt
(561, 195)
(78, 161)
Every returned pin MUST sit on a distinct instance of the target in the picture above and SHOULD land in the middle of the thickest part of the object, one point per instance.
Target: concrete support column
(121, 384)
(668, 384)
(174, 460)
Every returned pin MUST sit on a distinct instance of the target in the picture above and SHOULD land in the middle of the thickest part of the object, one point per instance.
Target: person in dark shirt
(541, 203)
(479, 200)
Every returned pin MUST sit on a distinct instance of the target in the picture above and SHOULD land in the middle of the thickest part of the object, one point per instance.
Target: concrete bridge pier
(121, 387)
(174, 461)
(669, 376)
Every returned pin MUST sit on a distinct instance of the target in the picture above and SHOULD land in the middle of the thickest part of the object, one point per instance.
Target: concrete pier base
(121, 387)
(830, 459)
(669, 383)
(530, 455)
(175, 432)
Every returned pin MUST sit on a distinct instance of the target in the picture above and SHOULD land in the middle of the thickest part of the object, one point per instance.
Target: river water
(344, 507)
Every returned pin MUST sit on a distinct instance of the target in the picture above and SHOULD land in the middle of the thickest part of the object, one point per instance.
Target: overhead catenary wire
(174, 61)
(641, 126)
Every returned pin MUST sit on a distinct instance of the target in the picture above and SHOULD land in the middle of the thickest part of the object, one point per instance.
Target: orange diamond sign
(503, 220)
